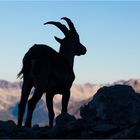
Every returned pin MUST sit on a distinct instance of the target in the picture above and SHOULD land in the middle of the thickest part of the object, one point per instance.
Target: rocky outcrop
(113, 113)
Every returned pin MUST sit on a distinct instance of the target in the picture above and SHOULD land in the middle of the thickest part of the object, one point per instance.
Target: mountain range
(80, 95)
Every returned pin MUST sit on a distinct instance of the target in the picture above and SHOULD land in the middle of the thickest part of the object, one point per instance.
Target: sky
(110, 30)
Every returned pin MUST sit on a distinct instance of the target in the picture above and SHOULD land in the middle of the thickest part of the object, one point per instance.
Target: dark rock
(65, 124)
(36, 127)
(7, 126)
(6, 129)
(104, 128)
(64, 119)
(125, 134)
(117, 105)
(113, 113)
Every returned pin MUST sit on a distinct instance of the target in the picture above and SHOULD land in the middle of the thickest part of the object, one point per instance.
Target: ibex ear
(58, 39)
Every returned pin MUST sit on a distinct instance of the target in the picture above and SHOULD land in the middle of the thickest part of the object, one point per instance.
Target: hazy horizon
(109, 30)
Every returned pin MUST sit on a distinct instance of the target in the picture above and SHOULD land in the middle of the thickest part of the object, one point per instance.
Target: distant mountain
(80, 95)
(135, 83)
(8, 85)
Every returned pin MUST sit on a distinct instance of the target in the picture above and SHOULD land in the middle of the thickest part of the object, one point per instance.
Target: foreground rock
(114, 112)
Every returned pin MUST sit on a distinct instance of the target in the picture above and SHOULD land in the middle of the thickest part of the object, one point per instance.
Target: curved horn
(62, 27)
(69, 22)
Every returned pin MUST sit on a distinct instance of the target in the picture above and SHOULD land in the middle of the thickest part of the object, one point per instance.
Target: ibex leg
(49, 102)
(31, 106)
(26, 88)
(65, 100)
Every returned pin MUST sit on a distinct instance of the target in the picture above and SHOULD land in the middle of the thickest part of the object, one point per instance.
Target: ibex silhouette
(49, 72)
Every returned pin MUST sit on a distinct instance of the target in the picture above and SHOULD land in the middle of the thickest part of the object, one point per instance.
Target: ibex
(49, 72)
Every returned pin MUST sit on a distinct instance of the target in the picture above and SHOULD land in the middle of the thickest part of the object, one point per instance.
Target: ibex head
(71, 41)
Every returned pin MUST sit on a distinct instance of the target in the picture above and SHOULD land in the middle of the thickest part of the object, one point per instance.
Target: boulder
(6, 127)
(65, 124)
(112, 109)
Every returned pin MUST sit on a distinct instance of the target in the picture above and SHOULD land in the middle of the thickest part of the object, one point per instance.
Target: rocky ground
(114, 112)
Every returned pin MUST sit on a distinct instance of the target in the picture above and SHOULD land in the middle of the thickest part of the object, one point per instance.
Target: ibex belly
(51, 78)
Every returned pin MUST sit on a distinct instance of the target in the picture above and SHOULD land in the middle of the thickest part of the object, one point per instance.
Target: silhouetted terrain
(10, 96)
(81, 94)
(113, 112)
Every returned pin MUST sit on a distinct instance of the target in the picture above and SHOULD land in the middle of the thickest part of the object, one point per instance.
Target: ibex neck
(71, 61)
(69, 58)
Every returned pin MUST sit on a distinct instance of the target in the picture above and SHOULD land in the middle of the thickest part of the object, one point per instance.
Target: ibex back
(49, 72)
